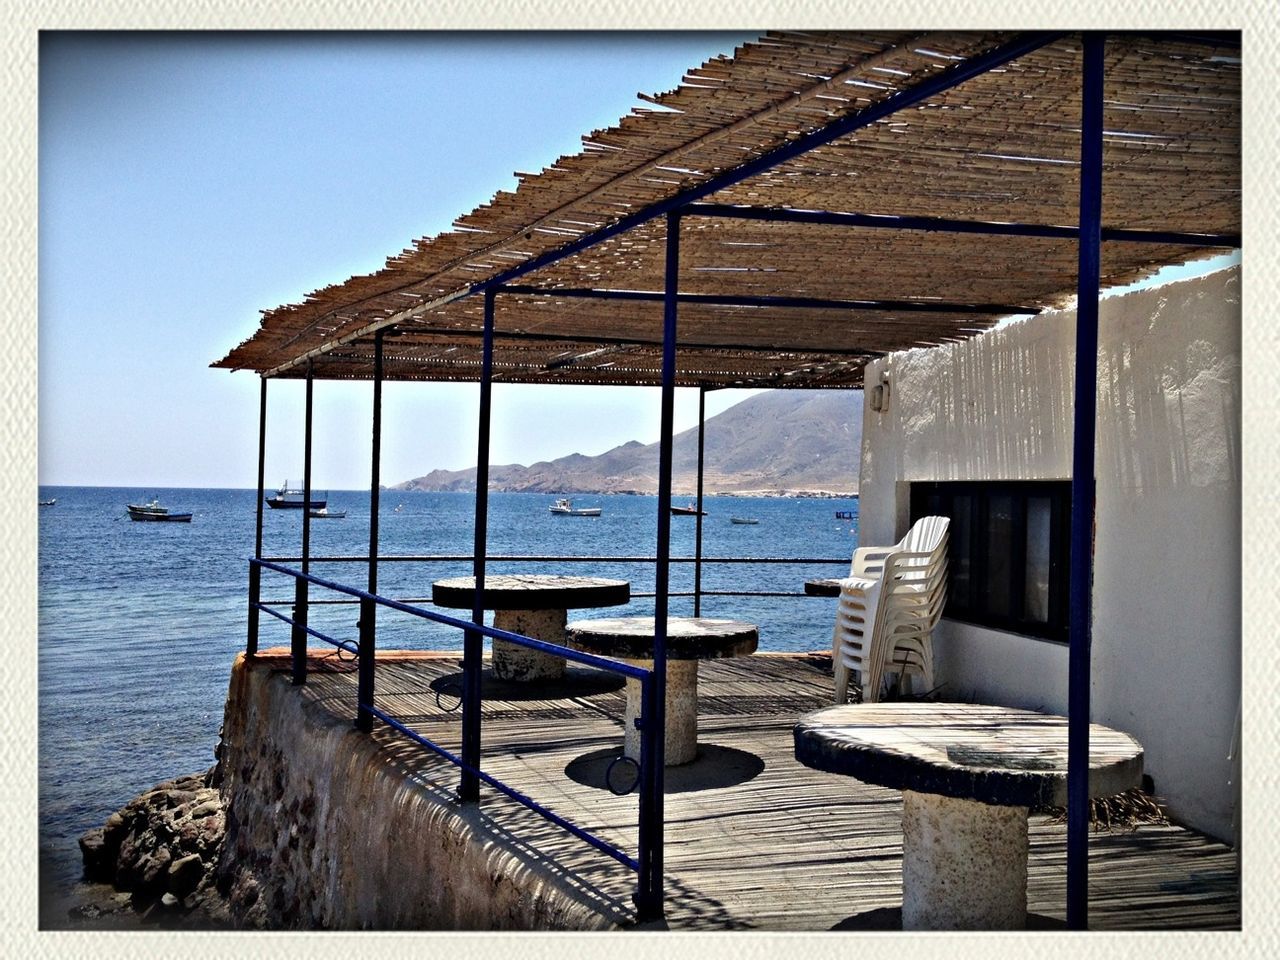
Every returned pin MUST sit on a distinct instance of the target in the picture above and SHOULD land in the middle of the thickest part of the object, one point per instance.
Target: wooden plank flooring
(754, 840)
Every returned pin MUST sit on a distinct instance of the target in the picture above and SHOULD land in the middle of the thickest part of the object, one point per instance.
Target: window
(1007, 561)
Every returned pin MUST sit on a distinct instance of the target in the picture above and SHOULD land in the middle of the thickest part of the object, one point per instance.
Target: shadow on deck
(754, 840)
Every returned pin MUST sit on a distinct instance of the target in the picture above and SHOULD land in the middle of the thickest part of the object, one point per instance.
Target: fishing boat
(154, 512)
(324, 513)
(48, 503)
(743, 520)
(564, 508)
(844, 514)
(690, 511)
(294, 499)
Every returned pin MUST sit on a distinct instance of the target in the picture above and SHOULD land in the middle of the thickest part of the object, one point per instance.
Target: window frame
(968, 606)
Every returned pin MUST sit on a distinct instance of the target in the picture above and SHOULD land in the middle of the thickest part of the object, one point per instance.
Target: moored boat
(287, 498)
(564, 508)
(48, 503)
(743, 520)
(152, 511)
(690, 511)
(324, 513)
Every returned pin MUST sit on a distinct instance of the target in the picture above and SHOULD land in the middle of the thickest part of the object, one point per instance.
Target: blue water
(139, 622)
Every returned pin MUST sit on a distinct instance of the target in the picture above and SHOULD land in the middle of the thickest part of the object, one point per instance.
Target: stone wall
(325, 830)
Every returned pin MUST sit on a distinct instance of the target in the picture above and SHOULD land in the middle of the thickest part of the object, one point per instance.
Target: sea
(139, 622)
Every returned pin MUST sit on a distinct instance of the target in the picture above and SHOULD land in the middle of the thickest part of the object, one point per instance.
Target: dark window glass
(1007, 560)
(1036, 584)
(999, 536)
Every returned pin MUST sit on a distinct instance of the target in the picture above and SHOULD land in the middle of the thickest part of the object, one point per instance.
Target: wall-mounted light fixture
(879, 393)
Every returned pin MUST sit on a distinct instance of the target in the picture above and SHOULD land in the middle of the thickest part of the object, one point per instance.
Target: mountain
(790, 441)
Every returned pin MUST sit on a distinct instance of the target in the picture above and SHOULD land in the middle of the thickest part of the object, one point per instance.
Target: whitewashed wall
(1166, 632)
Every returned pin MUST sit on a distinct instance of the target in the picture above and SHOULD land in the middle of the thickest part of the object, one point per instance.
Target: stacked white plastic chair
(889, 605)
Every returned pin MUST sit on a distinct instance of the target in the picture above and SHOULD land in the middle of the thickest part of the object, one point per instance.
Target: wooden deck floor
(754, 840)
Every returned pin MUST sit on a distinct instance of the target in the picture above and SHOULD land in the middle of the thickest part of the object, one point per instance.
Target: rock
(98, 865)
(155, 868)
(163, 849)
(205, 809)
(185, 874)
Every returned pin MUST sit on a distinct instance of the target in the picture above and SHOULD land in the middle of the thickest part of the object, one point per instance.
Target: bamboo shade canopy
(1003, 146)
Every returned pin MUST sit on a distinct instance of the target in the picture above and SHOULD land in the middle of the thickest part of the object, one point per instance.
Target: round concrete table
(689, 639)
(968, 774)
(822, 587)
(532, 605)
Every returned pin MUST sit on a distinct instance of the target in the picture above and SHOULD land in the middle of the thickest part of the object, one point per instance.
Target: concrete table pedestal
(689, 639)
(514, 662)
(680, 728)
(969, 775)
(532, 605)
(951, 846)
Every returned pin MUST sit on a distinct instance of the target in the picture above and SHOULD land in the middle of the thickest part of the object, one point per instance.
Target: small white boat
(564, 508)
(743, 520)
(324, 513)
(48, 503)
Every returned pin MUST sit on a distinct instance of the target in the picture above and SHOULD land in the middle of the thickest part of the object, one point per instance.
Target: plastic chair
(888, 608)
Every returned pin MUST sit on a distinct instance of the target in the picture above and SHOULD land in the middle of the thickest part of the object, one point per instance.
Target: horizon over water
(139, 622)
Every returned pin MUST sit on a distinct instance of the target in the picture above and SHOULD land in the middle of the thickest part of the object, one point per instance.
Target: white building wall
(1167, 623)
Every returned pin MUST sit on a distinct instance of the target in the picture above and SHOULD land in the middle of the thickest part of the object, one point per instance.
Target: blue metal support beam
(652, 735)
(472, 653)
(1080, 600)
(368, 609)
(298, 638)
(697, 543)
(943, 225)
(933, 86)
(752, 300)
(652, 342)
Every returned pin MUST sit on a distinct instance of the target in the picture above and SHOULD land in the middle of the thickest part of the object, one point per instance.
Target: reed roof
(1002, 146)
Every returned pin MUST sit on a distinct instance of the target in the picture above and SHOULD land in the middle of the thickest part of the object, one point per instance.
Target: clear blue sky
(188, 181)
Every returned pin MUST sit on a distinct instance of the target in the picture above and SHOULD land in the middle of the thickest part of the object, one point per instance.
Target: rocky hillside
(783, 441)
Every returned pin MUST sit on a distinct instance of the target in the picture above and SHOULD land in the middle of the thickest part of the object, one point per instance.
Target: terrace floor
(754, 840)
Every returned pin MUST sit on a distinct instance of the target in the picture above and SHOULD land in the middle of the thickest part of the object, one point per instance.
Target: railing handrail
(644, 676)
(577, 656)
(537, 558)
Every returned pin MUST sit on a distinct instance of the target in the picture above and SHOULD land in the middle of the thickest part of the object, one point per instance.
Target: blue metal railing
(298, 623)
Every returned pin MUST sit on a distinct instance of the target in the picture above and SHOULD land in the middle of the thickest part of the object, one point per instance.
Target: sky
(189, 181)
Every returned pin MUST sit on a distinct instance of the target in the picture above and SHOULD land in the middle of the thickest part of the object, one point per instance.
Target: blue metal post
(298, 641)
(697, 545)
(473, 644)
(1080, 603)
(368, 609)
(255, 572)
(652, 747)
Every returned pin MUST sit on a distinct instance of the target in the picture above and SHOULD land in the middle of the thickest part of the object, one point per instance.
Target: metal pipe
(369, 610)
(298, 640)
(473, 650)
(255, 573)
(697, 545)
(782, 302)
(649, 897)
(1083, 484)
(945, 225)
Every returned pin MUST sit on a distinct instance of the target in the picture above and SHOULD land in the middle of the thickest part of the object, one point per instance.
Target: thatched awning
(1002, 146)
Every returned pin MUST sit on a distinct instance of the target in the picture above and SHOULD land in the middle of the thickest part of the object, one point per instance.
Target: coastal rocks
(162, 848)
